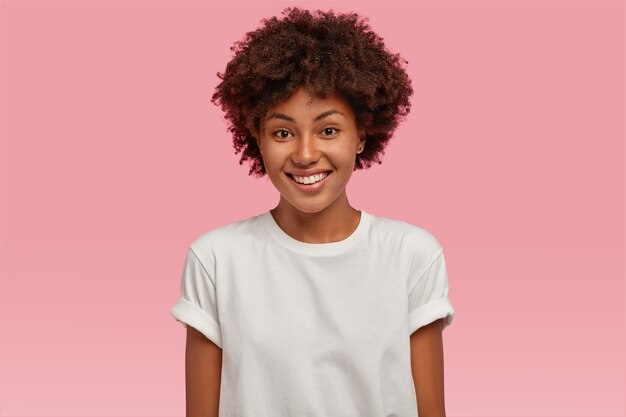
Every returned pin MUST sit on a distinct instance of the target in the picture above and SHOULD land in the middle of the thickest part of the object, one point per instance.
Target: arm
(427, 369)
(203, 368)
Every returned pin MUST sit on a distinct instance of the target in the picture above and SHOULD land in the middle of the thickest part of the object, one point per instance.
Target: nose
(306, 151)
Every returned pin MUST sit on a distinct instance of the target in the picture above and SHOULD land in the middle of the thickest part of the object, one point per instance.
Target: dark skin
(324, 217)
(203, 367)
(427, 369)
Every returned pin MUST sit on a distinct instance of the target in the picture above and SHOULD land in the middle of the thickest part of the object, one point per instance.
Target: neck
(333, 224)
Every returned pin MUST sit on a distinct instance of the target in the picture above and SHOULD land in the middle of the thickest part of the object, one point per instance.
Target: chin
(310, 206)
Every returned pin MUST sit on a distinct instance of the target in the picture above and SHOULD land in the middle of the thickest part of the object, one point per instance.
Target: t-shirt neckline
(329, 248)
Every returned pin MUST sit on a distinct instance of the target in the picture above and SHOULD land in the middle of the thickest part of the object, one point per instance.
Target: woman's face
(305, 135)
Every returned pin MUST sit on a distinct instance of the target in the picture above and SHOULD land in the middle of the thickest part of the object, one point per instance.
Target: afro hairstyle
(329, 54)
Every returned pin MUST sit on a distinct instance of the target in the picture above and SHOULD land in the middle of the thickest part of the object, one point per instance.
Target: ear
(255, 134)
(255, 131)
(361, 133)
(258, 142)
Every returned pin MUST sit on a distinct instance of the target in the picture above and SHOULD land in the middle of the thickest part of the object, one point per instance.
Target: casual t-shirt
(314, 329)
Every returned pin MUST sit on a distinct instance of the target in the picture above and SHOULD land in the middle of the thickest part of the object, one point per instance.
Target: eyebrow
(318, 117)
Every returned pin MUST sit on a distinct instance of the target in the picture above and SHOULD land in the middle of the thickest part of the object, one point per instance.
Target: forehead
(304, 104)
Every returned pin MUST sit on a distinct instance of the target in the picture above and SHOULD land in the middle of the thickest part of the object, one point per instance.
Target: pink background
(113, 160)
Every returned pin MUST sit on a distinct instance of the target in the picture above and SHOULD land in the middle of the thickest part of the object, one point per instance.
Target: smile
(312, 183)
(309, 180)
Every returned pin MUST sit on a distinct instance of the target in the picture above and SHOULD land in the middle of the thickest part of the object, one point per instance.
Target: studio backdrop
(114, 160)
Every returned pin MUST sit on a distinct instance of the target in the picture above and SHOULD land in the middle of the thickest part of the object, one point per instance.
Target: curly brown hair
(328, 53)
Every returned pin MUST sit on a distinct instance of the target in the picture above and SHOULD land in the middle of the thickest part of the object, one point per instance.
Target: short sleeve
(428, 299)
(197, 305)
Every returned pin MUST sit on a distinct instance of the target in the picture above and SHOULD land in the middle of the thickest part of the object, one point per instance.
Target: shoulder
(224, 238)
(412, 240)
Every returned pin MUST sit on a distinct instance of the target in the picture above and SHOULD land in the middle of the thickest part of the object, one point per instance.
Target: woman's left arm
(427, 369)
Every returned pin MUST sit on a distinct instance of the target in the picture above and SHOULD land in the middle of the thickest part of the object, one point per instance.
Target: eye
(282, 133)
(330, 131)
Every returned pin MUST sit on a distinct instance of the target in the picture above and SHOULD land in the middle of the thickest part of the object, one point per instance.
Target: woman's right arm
(203, 371)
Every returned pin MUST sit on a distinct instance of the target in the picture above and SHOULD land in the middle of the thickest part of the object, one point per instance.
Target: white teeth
(310, 180)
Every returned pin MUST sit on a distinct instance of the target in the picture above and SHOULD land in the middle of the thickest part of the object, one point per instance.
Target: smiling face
(305, 135)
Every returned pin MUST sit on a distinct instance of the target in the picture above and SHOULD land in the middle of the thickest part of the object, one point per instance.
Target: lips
(301, 183)
(310, 188)
(307, 173)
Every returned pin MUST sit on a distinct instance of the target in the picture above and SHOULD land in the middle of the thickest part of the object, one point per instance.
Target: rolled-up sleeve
(428, 298)
(197, 305)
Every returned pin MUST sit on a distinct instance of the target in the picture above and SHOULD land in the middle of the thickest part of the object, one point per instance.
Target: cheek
(345, 157)
(272, 159)
(343, 150)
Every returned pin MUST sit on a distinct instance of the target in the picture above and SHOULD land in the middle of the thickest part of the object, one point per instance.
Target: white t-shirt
(314, 329)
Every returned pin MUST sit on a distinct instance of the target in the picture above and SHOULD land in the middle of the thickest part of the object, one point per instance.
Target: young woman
(314, 308)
